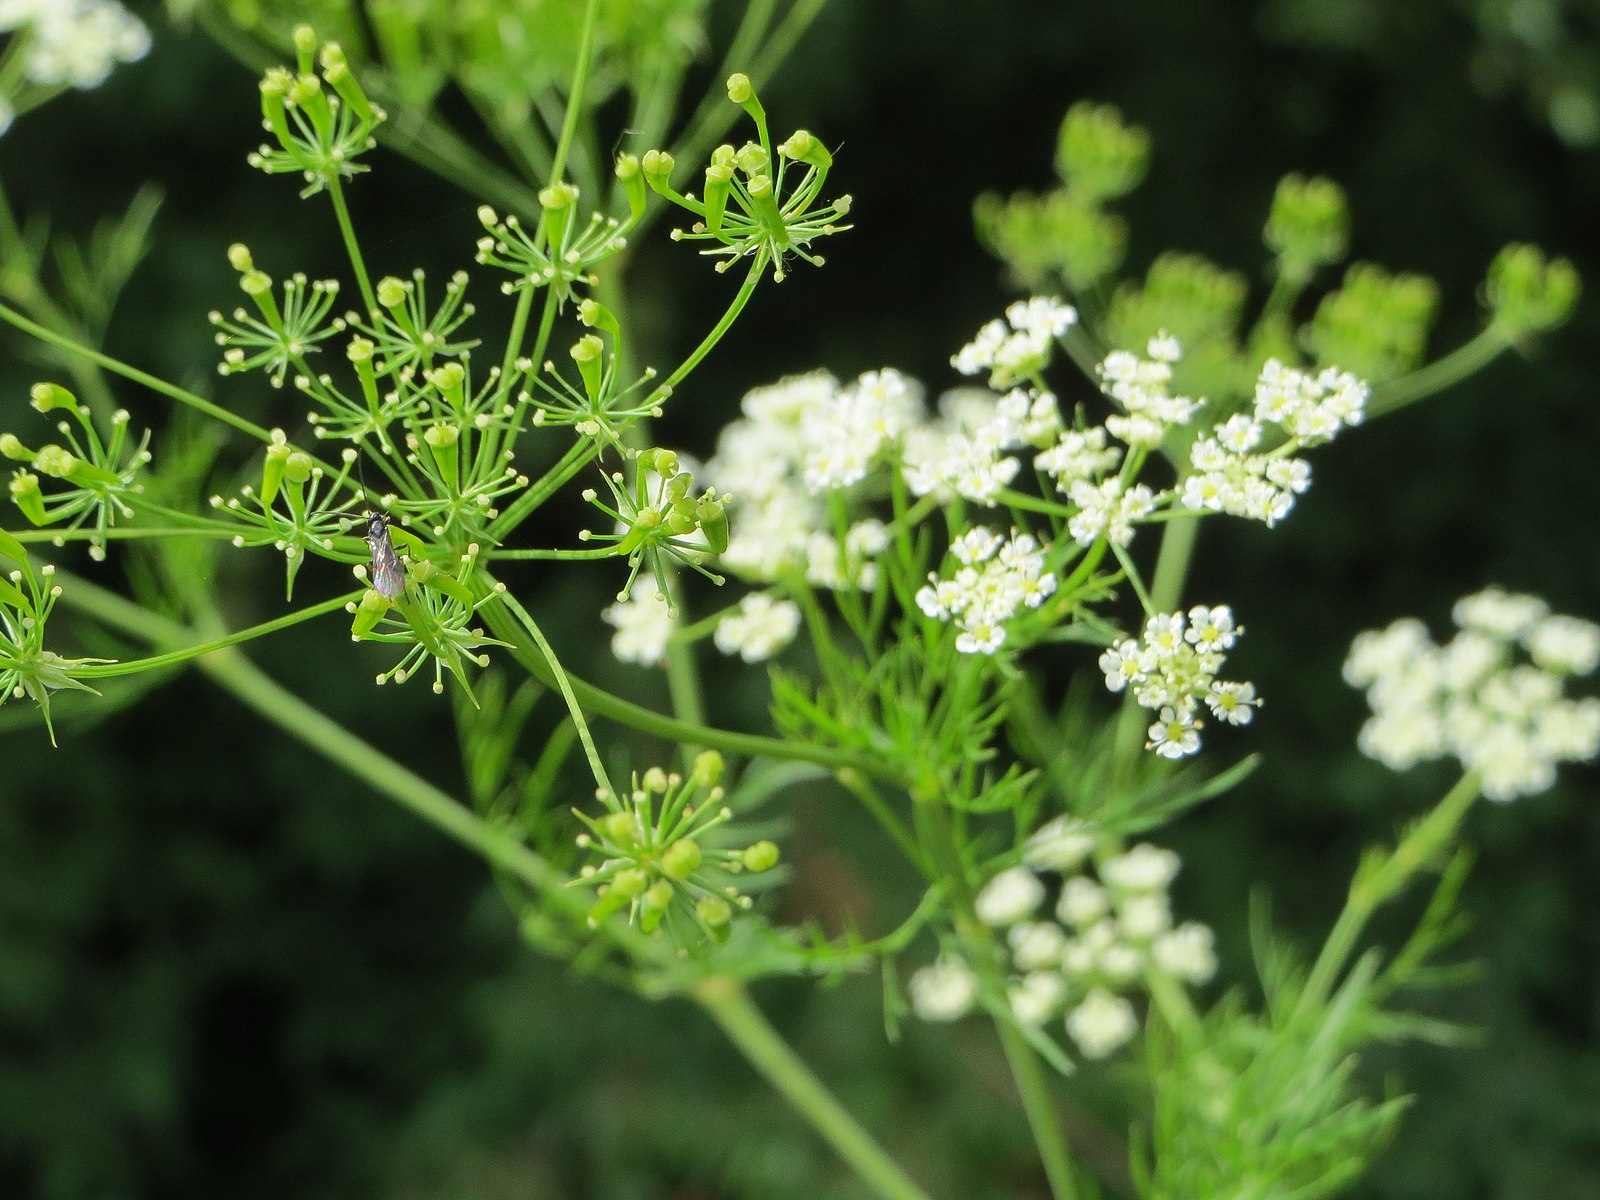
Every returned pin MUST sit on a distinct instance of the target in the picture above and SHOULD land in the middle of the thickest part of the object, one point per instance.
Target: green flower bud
(761, 856)
(682, 859)
(12, 447)
(272, 472)
(557, 196)
(655, 781)
(1099, 156)
(752, 160)
(631, 883)
(47, 397)
(739, 88)
(25, 492)
(621, 829)
(255, 283)
(392, 292)
(657, 165)
(707, 769)
(239, 258)
(55, 460)
(714, 911)
(597, 316)
(1309, 225)
(633, 185)
(298, 466)
(657, 896)
(804, 147)
(360, 350)
(1528, 293)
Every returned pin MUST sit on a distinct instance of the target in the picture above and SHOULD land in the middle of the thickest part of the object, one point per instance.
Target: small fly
(387, 574)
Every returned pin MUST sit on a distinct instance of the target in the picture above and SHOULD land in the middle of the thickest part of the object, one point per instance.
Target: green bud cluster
(1376, 324)
(661, 517)
(658, 860)
(322, 123)
(27, 668)
(1068, 232)
(98, 475)
(749, 208)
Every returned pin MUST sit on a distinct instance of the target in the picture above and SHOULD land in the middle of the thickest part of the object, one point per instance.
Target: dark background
(226, 971)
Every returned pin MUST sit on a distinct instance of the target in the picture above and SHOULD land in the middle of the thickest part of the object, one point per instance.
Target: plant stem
(1379, 878)
(1041, 1113)
(730, 1006)
(49, 336)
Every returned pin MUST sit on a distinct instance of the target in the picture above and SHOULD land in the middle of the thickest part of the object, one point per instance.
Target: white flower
(944, 991)
(1036, 944)
(77, 42)
(644, 623)
(1019, 346)
(1507, 721)
(762, 627)
(1567, 645)
(1101, 1023)
(1037, 997)
(1235, 703)
(996, 579)
(1145, 868)
(1142, 917)
(1009, 897)
(1082, 902)
(1173, 735)
(1187, 953)
(1504, 616)
(1310, 408)
(1109, 510)
(1060, 844)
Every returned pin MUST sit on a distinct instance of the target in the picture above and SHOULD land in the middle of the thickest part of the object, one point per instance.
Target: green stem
(1379, 879)
(347, 230)
(735, 307)
(580, 81)
(594, 700)
(1041, 1112)
(1464, 360)
(564, 686)
(730, 1006)
(184, 654)
(160, 386)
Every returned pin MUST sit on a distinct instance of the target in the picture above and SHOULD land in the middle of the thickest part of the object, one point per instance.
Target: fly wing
(387, 573)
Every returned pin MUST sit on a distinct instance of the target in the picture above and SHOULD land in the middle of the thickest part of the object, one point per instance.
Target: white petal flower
(1101, 1023)
(762, 627)
(1060, 844)
(1145, 868)
(1009, 897)
(644, 623)
(944, 991)
(1187, 952)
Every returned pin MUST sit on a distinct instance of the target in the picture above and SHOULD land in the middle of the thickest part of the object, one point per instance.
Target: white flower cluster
(1472, 700)
(1018, 347)
(643, 624)
(74, 42)
(760, 627)
(1231, 476)
(1172, 670)
(800, 439)
(996, 577)
(1110, 929)
(966, 451)
(1140, 386)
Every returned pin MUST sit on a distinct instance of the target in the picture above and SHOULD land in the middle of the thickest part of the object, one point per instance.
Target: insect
(387, 574)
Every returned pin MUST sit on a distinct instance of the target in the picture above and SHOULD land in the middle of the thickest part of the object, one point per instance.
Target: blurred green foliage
(225, 972)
